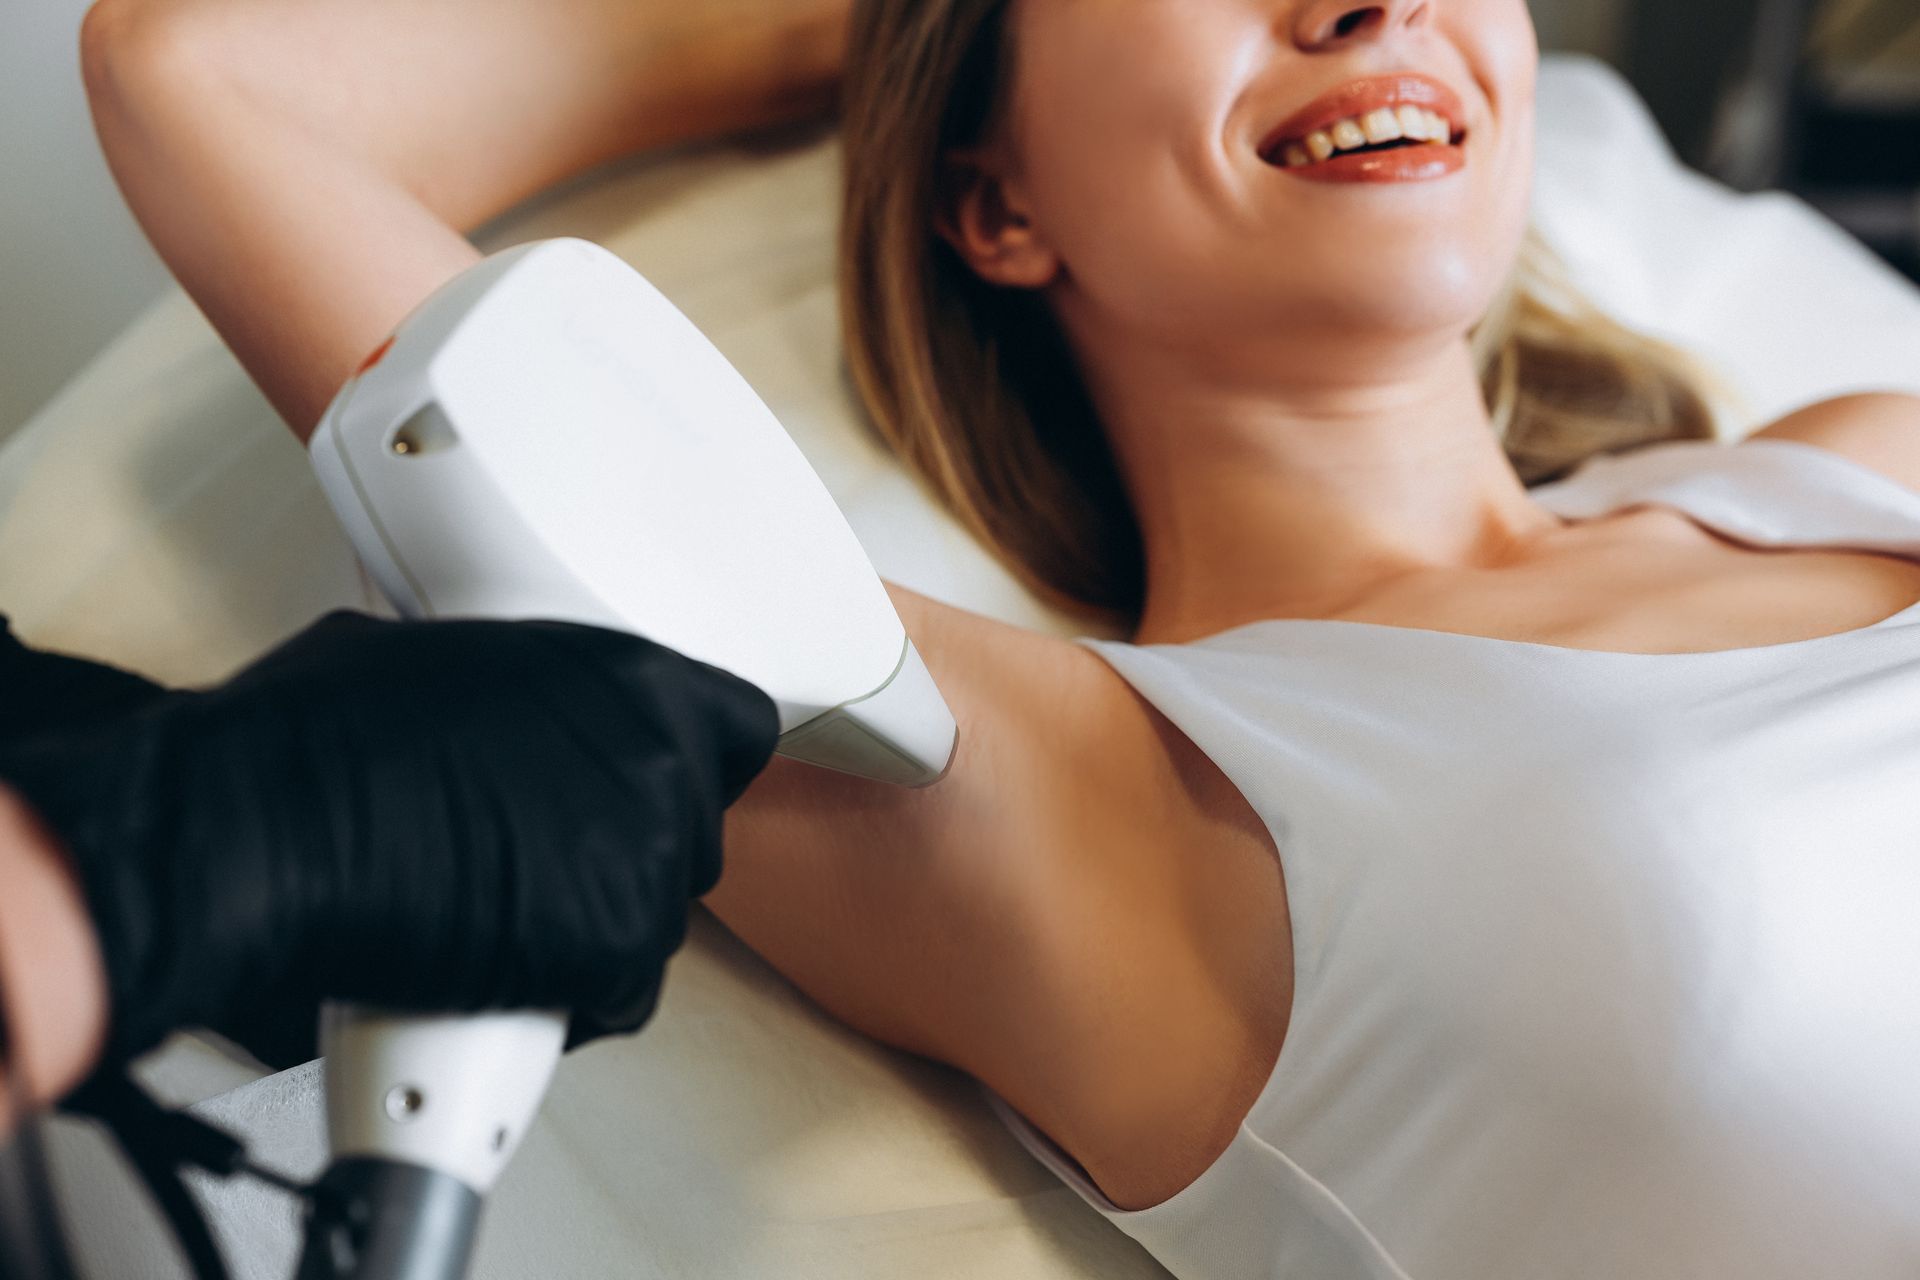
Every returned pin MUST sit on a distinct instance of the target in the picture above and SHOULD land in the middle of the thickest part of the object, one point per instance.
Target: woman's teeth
(1383, 124)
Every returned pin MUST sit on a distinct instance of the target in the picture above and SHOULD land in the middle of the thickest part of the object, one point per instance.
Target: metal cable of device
(157, 1142)
(149, 1138)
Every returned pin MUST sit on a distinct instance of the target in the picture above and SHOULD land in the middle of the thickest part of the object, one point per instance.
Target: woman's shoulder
(1878, 429)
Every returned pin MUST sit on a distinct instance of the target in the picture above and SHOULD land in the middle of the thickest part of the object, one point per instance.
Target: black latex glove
(42, 691)
(446, 815)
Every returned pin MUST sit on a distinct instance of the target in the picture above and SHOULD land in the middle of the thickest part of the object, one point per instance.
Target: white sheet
(156, 514)
(742, 1134)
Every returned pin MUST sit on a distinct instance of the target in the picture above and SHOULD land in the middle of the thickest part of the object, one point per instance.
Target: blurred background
(1820, 97)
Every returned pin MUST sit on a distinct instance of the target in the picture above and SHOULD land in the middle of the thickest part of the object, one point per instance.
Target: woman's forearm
(308, 170)
(55, 991)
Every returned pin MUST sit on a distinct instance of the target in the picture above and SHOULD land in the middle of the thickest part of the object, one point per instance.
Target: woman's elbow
(133, 48)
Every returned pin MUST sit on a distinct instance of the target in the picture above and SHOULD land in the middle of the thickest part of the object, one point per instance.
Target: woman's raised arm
(308, 169)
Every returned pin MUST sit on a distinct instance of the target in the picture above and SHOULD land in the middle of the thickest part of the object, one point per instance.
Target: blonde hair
(975, 389)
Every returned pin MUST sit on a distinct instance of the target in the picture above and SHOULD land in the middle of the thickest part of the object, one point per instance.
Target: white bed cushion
(1787, 304)
(158, 515)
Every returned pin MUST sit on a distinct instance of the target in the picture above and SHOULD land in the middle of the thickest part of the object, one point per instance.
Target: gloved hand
(446, 815)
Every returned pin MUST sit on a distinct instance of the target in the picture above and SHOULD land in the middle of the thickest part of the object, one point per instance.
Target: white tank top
(1605, 965)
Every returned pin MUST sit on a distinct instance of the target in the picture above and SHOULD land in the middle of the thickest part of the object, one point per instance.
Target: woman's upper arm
(308, 169)
(868, 895)
(1031, 918)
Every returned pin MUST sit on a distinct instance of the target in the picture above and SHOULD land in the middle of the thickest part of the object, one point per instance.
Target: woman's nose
(1323, 25)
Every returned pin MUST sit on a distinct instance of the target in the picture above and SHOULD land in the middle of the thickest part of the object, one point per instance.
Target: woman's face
(1133, 162)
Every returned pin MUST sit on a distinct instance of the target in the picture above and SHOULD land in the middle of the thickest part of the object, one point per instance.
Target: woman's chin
(1408, 294)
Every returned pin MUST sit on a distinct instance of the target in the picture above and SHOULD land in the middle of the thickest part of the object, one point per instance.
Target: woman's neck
(1262, 500)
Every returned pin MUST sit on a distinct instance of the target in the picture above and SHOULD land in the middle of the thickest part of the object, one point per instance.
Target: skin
(1084, 913)
(55, 994)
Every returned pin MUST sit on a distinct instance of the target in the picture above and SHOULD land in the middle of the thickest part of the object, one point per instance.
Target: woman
(1239, 407)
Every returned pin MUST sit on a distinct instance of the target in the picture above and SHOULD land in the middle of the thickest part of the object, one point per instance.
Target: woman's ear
(985, 217)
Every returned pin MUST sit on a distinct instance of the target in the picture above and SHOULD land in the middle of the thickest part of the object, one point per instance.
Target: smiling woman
(1283, 429)
(1473, 860)
(976, 385)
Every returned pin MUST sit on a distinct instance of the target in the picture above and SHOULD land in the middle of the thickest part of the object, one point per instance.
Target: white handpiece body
(547, 436)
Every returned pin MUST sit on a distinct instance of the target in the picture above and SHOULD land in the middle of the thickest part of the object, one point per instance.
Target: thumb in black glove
(439, 816)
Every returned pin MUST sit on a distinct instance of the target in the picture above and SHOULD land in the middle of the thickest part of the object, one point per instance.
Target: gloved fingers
(279, 1031)
(315, 647)
(725, 723)
(624, 1011)
(58, 692)
(458, 814)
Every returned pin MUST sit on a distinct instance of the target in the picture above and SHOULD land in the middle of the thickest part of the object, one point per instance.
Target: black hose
(150, 1138)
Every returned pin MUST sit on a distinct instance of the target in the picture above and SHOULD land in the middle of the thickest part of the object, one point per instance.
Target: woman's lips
(1416, 163)
(1358, 97)
(1434, 132)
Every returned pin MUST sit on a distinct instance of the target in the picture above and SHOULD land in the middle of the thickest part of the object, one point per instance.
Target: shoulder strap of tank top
(1768, 492)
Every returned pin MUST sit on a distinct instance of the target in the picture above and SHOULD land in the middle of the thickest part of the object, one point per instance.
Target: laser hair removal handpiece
(547, 436)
